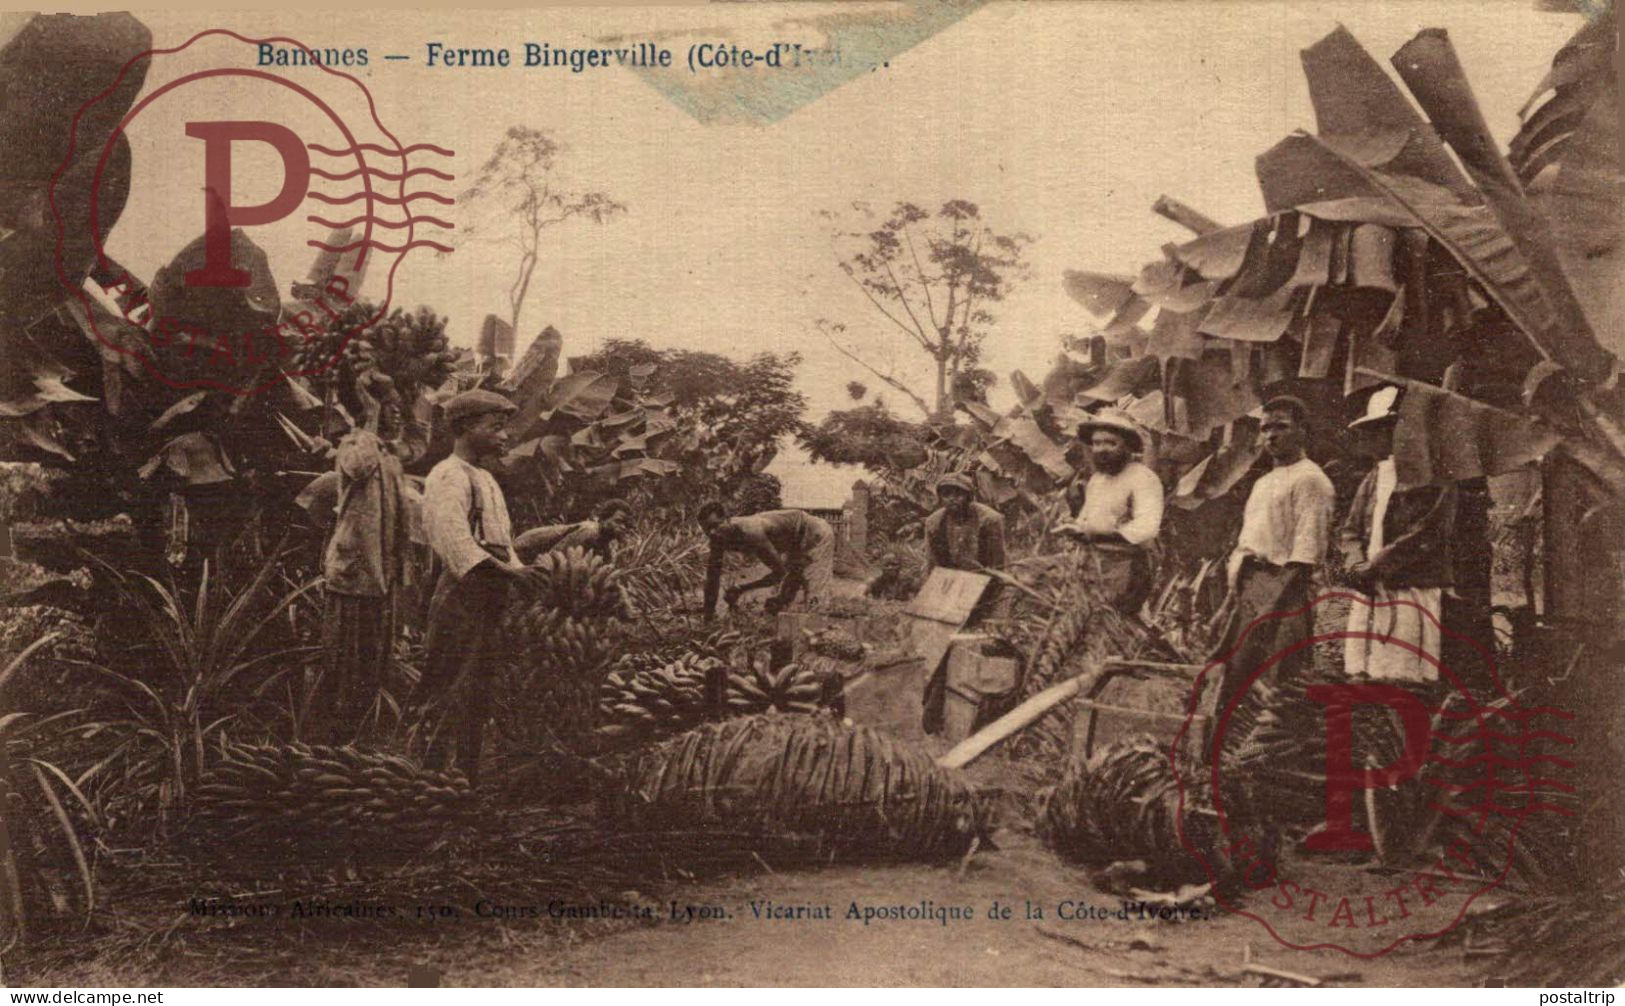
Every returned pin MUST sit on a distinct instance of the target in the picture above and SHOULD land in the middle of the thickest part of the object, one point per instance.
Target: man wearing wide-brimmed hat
(1121, 514)
(465, 519)
(962, 533)
(1396, 546)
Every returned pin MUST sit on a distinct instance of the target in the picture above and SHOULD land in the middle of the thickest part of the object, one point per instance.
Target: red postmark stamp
(340, 182)
(1355, 813)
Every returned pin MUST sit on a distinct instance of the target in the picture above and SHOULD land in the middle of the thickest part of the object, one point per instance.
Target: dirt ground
(745, 951)
(718, 940)
(726, 943)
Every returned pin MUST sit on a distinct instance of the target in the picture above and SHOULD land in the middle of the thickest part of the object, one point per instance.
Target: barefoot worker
(466, 521)
(1122, 511)
(797, 548)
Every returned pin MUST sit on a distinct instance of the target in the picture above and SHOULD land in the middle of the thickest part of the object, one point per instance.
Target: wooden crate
(972, 678)
(889, 698)
(1138, 698)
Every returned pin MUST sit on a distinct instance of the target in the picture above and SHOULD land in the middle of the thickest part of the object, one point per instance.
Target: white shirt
(1129, 503)
(1288, 516)
(449, 494)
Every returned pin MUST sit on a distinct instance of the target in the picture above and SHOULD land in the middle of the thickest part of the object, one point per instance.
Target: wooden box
(1145, 699)
(889, 698)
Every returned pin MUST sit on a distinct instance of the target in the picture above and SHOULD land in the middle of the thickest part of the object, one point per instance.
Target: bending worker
(797, 548)
(1121, 514)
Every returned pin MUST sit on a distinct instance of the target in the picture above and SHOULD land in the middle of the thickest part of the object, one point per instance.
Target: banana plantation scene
(1244, 615)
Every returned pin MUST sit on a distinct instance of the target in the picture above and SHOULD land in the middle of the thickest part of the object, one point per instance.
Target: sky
(1061, 120)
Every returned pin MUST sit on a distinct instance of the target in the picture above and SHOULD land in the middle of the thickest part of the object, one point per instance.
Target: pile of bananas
(1124, 804)
(313, 798)
(758, 688)
(640, 699)
(578, 583)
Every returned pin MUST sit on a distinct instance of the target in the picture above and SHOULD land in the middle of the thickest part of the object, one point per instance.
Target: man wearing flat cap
(962, 533)
(465, 519)
(1121, 514)
(1285, 532)
(1396, 546)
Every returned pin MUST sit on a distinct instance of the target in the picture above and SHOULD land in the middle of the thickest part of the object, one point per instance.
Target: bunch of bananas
(411, 349)
(332, 352)
(553, 643)
(314, 798)
(578, 583)
(636, 698)
(1124, 804)
(758, 688)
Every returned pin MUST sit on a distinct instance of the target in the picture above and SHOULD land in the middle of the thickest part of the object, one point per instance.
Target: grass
(179, 681)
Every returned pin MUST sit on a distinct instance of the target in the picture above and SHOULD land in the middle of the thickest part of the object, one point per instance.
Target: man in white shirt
(465, 519)
(1121, 514)
(1285, 532)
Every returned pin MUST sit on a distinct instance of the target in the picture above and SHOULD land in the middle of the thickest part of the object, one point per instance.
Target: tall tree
(933, 277)
(520, 191)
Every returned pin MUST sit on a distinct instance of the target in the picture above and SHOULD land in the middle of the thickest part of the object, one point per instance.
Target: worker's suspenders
(476, 524)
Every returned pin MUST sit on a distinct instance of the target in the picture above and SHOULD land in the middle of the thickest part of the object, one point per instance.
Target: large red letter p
(1343, 777)
(220, 214)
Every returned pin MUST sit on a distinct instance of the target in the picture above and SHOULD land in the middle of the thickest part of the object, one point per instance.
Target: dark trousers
(453, 697)
(1264, 590)
(1122, 573)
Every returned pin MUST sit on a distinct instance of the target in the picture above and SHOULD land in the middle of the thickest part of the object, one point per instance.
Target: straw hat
(1116, 422)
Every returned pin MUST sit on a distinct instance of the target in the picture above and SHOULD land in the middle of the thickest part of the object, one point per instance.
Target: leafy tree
(933, 278)
(732, 415)
(867, 435)
(522, 195)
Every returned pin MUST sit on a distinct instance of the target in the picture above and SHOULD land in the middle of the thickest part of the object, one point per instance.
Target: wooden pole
(974, 746)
